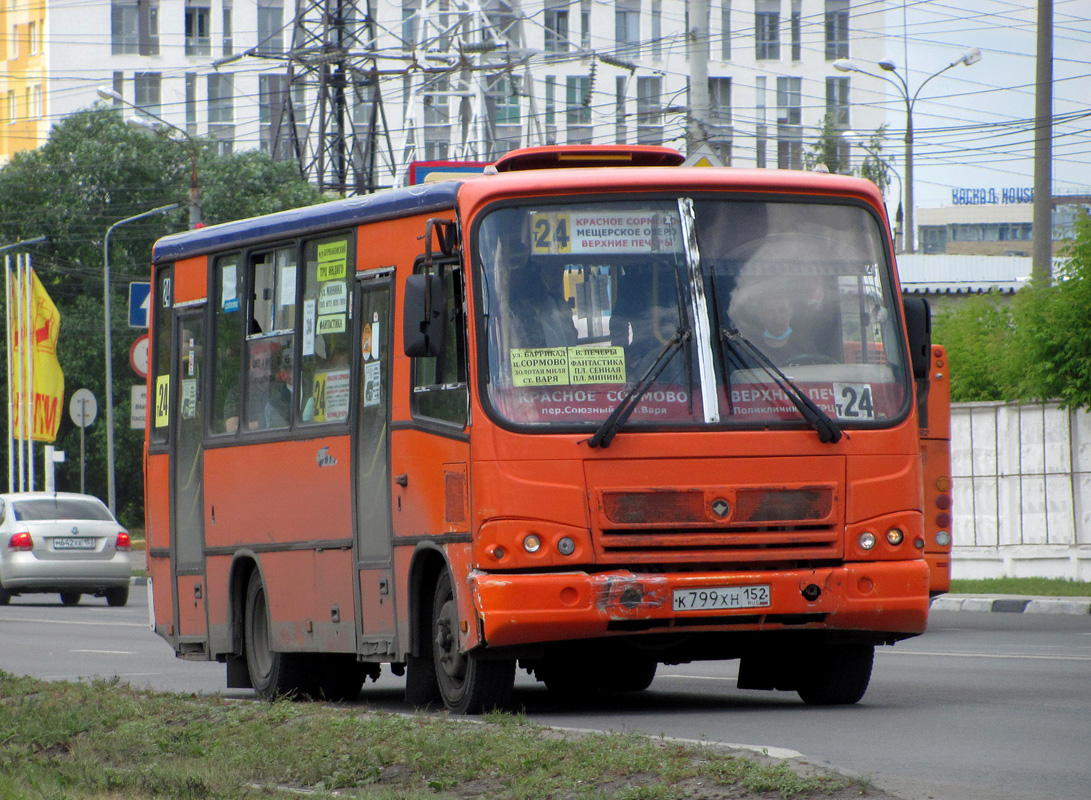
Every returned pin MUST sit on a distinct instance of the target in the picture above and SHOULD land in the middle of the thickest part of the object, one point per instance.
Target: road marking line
(107, 652)
(983, 655)
(76, 622)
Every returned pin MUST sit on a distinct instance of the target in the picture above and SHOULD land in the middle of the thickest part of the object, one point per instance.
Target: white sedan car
(62, 542)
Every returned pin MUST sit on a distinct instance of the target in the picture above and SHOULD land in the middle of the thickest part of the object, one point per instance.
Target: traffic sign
(703, 156)
(83, 407)
(138, 356)
(139, 304)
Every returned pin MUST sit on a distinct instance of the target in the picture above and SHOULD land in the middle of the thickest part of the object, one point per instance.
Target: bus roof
(350, 211)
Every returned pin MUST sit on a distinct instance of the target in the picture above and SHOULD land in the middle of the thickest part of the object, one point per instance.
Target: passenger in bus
(765, 312)
(644, 318)
(540, 313)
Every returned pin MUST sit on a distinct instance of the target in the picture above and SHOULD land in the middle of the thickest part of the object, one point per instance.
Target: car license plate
(73, 544)
(714, 598)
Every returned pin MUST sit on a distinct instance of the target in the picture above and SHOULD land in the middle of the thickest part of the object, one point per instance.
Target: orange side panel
(191, 280)
(157, 503)
(394, 242)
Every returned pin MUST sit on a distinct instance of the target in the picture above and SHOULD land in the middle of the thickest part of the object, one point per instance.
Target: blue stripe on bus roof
(297, 221)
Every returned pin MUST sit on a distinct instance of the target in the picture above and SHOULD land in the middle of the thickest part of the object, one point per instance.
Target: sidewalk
(1012, 604)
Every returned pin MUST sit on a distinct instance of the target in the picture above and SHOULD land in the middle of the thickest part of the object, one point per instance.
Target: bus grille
(799, 543)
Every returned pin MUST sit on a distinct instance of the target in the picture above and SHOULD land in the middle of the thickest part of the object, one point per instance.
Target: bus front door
(371, 466)
(187, 495)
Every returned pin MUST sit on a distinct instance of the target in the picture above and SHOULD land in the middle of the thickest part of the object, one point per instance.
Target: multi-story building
(437, 79)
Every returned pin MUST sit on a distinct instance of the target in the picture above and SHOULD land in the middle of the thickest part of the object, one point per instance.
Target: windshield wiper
(827, 429)
(612, 424)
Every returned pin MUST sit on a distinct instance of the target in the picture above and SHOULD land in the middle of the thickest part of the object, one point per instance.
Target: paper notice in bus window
(333, 260)
(189, 398)
(372, 383)
(229, 296)
(162, 401)
(338, 391)
(607, 231)
(544, 366)
(333, 298)
(333, 323)
(309, 321)
(286, 293)
(596, 364)
(555, 366)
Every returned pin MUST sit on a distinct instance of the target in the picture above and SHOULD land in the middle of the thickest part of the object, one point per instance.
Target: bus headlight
(895, 536)
(566, 546)
(943, 538)
(531, 543)
(867, 540)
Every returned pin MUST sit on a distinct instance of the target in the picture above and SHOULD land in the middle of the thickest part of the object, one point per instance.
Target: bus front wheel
(836, 675)
(272, 674)
(468, 683)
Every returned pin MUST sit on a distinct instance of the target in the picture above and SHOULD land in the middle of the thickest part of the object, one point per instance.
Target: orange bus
(586, 414)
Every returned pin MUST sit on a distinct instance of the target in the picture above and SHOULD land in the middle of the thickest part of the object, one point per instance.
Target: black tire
(272, 674)
(468, 683)
(578, 677)
(5, 596)
(631, 676)
(341, 677)
(837, 675)
(70, 598)
(117, 597)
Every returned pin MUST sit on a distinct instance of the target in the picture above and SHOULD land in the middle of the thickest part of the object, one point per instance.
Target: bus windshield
(583, 300)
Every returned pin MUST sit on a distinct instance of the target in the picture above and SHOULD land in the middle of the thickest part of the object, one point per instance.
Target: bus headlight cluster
(532, 543)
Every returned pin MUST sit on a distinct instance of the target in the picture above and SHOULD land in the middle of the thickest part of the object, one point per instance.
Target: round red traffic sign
(138, 356)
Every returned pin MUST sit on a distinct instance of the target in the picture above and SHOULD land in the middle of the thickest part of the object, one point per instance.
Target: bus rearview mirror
(423, 318)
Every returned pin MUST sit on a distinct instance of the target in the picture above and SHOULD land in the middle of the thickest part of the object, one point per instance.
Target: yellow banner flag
(43, 326)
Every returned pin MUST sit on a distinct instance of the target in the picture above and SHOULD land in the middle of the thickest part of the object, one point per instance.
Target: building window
(657, 29)
(502, 108)
(649, 110)
(767, 30)
(124, 29)
(622, 132)
(789, 123)
(797, 31)
(229, 34)
(551, 109)
(148, 92)
(503, 21)
(437, 120)
(191, 103)
(837, 29)
(585, 24)
(13, 108)
(837, 101)
(760, 132)
(627, 30)
(719, 101)
(578, 109)
(272, 91)
(198, 31)
(725, 30)
(270, 27)
(221, 100)
(556, 29)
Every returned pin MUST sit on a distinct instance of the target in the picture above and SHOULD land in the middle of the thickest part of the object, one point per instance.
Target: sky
(973, 125)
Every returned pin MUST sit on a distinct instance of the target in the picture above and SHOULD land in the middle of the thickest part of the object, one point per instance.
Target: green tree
(831, 149)
(92, 172)
(978, 335)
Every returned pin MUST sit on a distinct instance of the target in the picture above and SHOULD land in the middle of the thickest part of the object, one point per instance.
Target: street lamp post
(191, 146)
(971, 56)
(861, 141)
(110, 484)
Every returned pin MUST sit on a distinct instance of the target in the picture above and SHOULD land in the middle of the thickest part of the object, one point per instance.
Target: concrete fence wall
(1021, 483)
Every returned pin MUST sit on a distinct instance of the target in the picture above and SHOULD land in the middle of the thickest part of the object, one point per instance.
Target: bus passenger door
(187, 495)
(371, 465)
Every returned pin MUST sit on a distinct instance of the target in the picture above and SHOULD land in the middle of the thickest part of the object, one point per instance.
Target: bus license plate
(73, 544)
(716, 598)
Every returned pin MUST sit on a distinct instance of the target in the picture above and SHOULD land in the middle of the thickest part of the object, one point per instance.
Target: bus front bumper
(888, 597)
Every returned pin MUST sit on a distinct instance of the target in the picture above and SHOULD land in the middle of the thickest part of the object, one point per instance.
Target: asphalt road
(985, 706)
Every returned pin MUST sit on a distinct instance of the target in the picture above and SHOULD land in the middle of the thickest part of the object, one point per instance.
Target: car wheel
(5, 595)
(118, 596)
(468, 683)
(70, 598)
(272, 674)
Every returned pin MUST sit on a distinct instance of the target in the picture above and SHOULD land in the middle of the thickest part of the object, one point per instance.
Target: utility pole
(697, 133)
(1042, 262)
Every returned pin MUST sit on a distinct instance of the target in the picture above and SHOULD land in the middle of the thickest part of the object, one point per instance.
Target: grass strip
(1046, 587)
(104, 740)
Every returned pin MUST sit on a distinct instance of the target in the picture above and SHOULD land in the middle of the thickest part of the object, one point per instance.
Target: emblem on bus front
(720, 507)
(325, 459)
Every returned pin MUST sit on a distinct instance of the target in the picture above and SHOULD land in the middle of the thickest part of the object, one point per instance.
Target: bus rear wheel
(468, 684)
(836, 675)
(272, 674)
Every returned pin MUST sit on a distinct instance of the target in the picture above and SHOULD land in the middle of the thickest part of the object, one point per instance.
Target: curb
(1013, 605)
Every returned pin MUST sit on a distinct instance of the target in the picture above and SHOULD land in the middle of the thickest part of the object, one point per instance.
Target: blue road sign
(140, 304)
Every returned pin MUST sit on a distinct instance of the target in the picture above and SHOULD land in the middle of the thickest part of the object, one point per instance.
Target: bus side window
(270, 339)
(162, 319)
(227, 354)
(439, 383)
